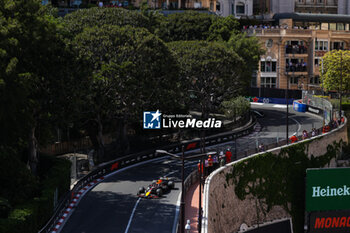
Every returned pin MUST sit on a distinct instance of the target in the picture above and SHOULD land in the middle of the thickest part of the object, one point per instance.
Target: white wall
(226, 7)
(344, 7)
(283, 6)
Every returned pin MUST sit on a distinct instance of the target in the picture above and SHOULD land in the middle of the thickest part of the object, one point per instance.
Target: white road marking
(299, 126)
(177, 210)
(169, 174)
(279, 106)
(132, 215)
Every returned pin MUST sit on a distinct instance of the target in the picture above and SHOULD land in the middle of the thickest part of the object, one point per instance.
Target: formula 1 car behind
(157, 188)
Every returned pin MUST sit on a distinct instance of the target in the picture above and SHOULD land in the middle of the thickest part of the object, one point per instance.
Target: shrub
(17, 182)
(5, 207)
(235, 107)
(30, 215)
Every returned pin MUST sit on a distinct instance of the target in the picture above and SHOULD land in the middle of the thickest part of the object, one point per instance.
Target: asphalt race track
(113, 206)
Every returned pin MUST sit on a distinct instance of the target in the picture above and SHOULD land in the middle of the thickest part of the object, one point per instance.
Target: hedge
(346, 106)
(32, 215)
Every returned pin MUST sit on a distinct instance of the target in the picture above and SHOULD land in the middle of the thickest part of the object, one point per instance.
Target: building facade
(271, 7)
(238, 8)
(316, 6)
(294, 53)
(344, 7)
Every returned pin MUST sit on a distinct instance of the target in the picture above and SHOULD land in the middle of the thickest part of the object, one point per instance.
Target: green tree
(250, 50)
(208, 71)
(222, 28)
(35, 73)
(78, 20)
(336, 66)
(188, 25)
(132, 70)
(235, 107)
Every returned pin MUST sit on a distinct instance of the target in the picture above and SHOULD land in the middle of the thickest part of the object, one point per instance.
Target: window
(340, 26)
(296, 65)
(321, 45)
(332, 26)
(268, 66)
(315, 80)
(268, 82)
(338, 45)
(240, 8)
(320, 1)
(294, 80)
(217, 6)
(295, 46)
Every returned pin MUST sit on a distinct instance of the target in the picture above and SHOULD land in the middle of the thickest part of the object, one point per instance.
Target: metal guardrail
(317, 102)
(109, 167)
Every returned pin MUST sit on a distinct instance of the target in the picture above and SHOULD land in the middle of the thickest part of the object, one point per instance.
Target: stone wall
(225, 212)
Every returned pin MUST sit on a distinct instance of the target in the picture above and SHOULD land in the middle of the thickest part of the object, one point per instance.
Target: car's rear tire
(159, 192)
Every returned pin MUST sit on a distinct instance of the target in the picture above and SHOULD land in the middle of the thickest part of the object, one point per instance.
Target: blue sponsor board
(270, 100)
(299, 107)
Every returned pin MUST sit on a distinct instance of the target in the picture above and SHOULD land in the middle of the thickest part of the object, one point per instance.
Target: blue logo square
(152, 120)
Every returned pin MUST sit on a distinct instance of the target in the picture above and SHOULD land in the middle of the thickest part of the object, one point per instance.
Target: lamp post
(287, 111)
(182, 206)
(341, 84)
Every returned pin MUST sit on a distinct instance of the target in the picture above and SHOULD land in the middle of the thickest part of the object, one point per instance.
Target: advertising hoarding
(330, 222)
(327, 189)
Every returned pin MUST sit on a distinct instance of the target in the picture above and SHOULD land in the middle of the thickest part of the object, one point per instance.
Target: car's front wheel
(171, 185)
(141, 190)
(159, 192)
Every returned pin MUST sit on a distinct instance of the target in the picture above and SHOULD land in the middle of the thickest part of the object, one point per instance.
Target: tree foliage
(250, 50)
(223, 28)
(336, 64)
(97, 17)
(208, 70)
(235, 107)
(188, 25)
(132, 70)
(34, 70)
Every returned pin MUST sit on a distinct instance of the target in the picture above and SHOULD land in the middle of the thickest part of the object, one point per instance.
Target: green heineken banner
(327, 189)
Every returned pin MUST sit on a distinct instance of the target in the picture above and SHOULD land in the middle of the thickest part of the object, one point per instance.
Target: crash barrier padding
(106, 168)
(266, 100)
(274, 92)
(298, 106)
(247, 155)
(314, 110)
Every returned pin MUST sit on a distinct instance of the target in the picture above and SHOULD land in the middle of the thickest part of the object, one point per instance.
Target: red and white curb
(87, 188)
(74, 202)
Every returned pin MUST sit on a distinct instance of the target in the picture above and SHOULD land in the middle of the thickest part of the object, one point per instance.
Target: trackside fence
(249, 154)
(123, 162)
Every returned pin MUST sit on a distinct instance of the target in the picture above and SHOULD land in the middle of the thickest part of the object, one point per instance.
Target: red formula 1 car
(157, 188)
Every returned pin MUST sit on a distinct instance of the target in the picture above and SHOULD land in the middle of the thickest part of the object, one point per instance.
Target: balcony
(296, 49)
(296, 68)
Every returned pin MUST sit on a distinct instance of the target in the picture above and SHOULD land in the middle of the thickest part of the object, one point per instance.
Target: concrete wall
(282, 6)
(228, 7)
(224, 212)
(344, 7)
